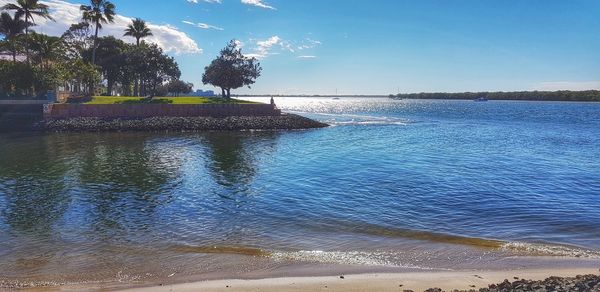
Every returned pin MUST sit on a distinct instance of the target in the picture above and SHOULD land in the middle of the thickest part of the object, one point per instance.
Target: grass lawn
(164, 100)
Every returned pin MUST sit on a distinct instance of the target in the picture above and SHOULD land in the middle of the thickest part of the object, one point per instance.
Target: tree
(157, 68)
(45, 49)
(177, 87)
(77, 40)
(11, 28)
(138, 29)
(99, 12)
(231, 70)
(28, 9)
(77, 76)
(111, 60)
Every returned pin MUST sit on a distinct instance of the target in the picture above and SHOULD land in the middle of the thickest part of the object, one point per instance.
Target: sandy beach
(417, 281)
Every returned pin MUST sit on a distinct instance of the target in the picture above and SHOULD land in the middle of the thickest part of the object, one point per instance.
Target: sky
(374, 46)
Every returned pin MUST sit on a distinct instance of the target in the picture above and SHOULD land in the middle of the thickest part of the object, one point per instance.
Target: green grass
(162, 100)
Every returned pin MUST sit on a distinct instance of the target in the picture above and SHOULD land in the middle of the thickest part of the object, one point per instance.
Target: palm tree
(45, 48)
(138, 29)
(99, 12)
(11, 28)
(28, 9)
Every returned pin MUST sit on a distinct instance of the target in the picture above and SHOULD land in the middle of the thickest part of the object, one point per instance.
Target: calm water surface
(397, 184)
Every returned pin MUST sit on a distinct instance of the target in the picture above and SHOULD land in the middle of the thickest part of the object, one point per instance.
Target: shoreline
(415, 281)
(179, 124)
(317, 277)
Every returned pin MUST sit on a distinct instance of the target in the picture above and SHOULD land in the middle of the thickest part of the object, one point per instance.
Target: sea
(391, 185)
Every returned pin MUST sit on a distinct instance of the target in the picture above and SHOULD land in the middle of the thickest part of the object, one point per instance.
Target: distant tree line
(79, 60)
(563, 95)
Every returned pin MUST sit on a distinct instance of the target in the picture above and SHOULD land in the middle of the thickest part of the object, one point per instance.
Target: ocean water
(392, 184)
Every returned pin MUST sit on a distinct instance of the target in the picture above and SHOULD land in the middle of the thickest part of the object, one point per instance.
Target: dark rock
(180, 124)
(579, 283)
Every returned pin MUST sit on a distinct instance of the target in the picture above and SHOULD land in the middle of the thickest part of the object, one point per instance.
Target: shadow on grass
(145, 101)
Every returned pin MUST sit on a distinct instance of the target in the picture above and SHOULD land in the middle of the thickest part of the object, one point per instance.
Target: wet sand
(417, 281)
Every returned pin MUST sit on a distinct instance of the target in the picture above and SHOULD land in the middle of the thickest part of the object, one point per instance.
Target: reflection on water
(402, 184)
(105, 202)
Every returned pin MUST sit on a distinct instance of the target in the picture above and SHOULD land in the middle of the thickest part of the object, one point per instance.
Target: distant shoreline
(586, 96)
(563, 95)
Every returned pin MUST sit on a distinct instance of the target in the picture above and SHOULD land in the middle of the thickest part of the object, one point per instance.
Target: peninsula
(561, 95)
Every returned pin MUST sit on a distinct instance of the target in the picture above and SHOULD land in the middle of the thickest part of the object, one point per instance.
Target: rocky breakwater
(233, 123)
(582, 283)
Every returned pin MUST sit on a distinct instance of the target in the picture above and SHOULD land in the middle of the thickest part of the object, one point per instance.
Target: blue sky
(382, 46)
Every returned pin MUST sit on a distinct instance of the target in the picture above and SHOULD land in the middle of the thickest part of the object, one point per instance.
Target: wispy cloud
(239, 43)
(202, 25)
(275, 45)
(567, 85)
(258, 3)
(263, 48)
(207, 1)
(308, 43)
(65, 13)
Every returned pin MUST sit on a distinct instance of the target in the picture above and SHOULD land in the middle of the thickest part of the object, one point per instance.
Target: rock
(180, 124)
(579, 283)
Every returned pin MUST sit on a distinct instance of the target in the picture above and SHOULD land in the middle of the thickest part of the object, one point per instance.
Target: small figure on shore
(272, 101)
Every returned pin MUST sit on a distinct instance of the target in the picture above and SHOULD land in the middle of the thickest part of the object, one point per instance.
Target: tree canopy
(28, 9)
(11, 28)
(138, 29)
(231, 70)
(97, 13)
(176, 87)
(80, 61)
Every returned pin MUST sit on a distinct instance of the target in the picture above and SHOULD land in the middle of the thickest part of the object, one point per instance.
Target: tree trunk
(228, 93)
(95, 45)
(109, 84)
(223, 92)
(26, 38)
(126, 88)
(136, 85)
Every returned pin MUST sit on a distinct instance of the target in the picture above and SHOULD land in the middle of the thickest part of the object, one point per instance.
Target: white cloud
(239, 43)
(202, 25)
(263, 48)
(276, 45)
(568, 85)
(258, 3)
(308, 43)
(207, 1)
(65, 13)
(313, 42)
(287, 46)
